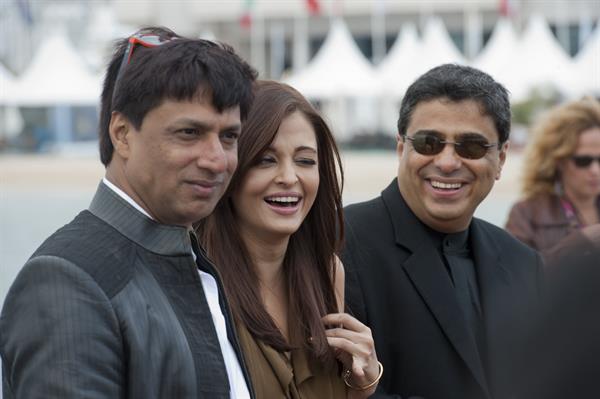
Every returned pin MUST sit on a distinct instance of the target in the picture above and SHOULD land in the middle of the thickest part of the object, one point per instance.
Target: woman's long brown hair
(309, 263)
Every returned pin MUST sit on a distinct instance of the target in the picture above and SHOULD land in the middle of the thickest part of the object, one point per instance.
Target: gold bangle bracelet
(346, 376)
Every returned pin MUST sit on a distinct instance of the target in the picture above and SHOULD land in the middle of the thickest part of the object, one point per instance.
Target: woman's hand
(353, 345)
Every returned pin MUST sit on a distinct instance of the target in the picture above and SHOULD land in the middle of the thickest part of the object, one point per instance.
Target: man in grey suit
(444, 293)
(121, 302)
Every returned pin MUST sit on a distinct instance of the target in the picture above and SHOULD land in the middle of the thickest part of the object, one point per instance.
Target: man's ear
(502, 159)
(399, 144)
(119, 129)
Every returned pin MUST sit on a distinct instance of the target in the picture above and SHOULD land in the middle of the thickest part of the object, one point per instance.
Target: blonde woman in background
(561, 180)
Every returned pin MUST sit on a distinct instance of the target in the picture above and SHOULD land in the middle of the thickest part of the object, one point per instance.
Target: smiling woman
(277, 194)
(273, 237)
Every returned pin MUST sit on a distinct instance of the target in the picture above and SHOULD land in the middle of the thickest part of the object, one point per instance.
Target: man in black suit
(122, 302)
(444, 293)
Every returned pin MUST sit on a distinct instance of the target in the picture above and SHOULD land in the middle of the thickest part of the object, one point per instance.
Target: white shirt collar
(126, 197)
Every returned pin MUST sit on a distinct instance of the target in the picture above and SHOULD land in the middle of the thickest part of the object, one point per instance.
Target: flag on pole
(246, 18)
(314, 8)
(507, 8)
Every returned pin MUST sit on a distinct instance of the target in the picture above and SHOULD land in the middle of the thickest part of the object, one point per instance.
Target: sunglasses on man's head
(143, 39)
(468, 146)
(147, 40)
(584, 161)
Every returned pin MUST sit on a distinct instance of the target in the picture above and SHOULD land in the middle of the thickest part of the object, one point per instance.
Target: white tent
(408, 59)
(11, 121)
(587, 66)
(342, 78)
(438, 48)
(398, 69)
(338, 69)
(498, 56)
(56, 76)
(6, 83)
(539, 62)
(395, 73)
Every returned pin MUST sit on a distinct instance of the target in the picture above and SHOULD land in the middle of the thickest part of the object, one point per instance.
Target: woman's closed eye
(266, 160)
(306, 161)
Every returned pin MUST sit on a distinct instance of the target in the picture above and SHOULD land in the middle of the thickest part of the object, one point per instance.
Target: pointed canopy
(410, 57)
(338, 69)
(587, 66)
(438, 47)
(540, 61)
(57, 75)
(399, 69)
(497, 57)
(6, 84)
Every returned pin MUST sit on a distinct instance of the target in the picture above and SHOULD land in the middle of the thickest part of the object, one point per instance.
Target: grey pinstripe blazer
(112, 306)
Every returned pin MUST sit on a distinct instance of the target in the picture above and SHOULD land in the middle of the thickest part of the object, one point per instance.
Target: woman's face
(580, 181)
(277, 193)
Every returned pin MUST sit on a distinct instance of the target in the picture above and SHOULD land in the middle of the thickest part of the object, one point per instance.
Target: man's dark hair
(458, 83)
(180, 69)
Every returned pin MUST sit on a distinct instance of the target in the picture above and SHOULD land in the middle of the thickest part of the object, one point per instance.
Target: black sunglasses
(469, 146)
(584, 161)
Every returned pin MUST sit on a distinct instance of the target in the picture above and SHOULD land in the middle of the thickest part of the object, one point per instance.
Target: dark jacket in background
(112, 306)
(561, 358)
(397, 284)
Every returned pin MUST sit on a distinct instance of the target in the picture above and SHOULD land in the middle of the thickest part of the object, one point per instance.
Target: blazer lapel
(498, 300)
(428, 273)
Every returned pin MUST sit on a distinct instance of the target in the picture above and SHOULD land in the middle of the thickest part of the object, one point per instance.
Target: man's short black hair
(458, 83)
(179, 69)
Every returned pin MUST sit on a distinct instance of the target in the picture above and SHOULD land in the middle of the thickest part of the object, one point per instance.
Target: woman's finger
(343, 344)
(344, 319)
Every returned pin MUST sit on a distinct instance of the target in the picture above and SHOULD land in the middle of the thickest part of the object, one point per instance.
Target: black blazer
(396, 283)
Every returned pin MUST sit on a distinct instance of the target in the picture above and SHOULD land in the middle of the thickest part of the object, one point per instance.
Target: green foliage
(539, 100)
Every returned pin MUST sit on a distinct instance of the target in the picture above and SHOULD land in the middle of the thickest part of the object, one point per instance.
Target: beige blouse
(293, 375)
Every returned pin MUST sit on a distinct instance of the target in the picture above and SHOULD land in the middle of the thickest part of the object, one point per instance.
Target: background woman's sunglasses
(469, 146)
(584, 161)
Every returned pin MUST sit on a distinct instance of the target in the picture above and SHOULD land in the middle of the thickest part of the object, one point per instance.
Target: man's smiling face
(443, 190)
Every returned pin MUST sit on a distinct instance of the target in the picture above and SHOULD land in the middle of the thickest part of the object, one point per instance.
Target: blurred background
(352, 58)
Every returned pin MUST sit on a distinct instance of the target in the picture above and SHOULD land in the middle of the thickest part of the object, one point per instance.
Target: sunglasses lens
(427, 144)
(582, 161)
(149, 40)
(472, 148)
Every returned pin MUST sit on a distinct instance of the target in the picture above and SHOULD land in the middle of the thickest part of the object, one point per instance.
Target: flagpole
(300, 54)
(378, 31)
(277, 39)
(257, 41)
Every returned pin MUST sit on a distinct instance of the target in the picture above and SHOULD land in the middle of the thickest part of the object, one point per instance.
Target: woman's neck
(586, 208)
(267, 257)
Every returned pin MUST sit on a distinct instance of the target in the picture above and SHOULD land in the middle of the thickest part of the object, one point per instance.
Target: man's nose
(448, 160)
(212, 155)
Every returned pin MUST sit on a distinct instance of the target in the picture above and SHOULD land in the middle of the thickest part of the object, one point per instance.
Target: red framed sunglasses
(148, 40)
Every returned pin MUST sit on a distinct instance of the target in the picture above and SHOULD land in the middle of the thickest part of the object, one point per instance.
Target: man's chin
(447, 219)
